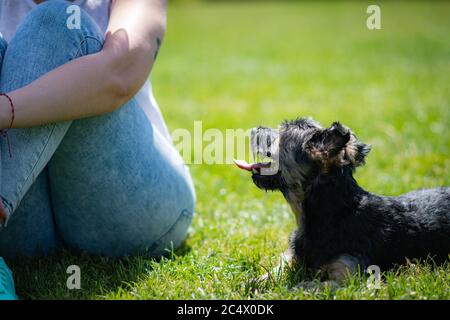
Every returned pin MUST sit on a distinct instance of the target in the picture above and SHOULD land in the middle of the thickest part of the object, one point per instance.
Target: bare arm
(102, 81)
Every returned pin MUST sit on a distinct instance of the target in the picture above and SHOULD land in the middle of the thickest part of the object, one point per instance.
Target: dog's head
(301, 150)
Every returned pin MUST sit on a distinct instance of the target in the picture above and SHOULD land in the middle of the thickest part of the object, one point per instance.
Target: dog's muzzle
(265, 148)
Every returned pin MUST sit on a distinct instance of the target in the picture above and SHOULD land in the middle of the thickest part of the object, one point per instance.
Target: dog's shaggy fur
(341, 226)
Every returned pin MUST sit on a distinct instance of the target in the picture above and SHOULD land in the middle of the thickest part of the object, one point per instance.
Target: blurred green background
(240, 64)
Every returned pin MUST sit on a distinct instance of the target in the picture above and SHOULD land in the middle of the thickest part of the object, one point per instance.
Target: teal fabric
(7, 291)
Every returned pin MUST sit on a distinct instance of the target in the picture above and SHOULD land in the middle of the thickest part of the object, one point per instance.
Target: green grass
(235, 65)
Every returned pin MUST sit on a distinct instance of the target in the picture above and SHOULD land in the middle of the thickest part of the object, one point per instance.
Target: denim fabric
(3, 47)
(107, 185)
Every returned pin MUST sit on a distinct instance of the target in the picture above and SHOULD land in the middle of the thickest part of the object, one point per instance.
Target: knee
(65, 24)
(49, 16)
(173, 237)
(143, 213)
(132, 238)
(170, 238)
(150, 233)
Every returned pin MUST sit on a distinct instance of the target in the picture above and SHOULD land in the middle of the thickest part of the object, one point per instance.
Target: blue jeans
(106, 185)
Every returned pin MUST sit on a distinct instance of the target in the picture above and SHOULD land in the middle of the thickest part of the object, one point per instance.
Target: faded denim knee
(52, 22)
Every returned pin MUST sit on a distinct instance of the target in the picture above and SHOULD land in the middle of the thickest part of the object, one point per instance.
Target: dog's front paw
(263, 278)
(307, 285)
(311, 285)
(286, 260)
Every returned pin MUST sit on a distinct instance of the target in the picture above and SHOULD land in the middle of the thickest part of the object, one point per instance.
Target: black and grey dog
(341, 226)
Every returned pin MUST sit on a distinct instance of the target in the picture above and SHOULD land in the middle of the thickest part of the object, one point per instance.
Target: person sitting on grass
(87, 162)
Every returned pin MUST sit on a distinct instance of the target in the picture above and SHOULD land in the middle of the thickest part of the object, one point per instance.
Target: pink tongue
(242, 164)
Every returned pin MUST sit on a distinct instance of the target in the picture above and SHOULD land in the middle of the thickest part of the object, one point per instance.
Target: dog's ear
(336, 138)
(361, 150)
(337, 146)
(329, 142)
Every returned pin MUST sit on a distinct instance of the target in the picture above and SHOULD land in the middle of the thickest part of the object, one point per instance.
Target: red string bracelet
(5, 131)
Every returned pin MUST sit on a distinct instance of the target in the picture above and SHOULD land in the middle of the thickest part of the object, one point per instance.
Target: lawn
(237, 65)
